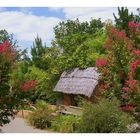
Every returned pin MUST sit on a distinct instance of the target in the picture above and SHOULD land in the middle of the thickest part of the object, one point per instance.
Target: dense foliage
(104, 117)
(44, 88)
(80, 43)
(41, 117)
(65, 123)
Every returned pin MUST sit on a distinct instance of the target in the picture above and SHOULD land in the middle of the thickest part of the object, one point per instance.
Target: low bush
(42, 117)
(104, 117)
(65, 123)
(40, 104)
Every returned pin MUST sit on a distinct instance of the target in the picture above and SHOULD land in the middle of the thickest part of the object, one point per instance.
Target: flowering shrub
(120, 77)
(29, 85)
(7, 60)
(10, 97)
(135, 34)
(7, 51)
(116, 36)
(7, 97)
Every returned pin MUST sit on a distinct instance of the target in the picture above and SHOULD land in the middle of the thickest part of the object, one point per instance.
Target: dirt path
(18, 125)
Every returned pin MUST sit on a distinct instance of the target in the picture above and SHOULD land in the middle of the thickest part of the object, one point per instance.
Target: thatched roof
(78, 81)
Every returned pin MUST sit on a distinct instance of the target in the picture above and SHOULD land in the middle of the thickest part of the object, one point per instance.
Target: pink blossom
(138, 25)
(134, 65)
(128, 107)
(131, 24)
(1, 49)
(136, 52)
(131, 83)
(7, 50)
(125, 89)
(101, 62)
(134, 27)
(121, 34)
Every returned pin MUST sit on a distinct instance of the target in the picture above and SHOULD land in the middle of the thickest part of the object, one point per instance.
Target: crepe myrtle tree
(121, 67)
(11, 95)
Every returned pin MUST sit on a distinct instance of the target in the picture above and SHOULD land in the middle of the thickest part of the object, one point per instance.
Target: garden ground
(18, 125)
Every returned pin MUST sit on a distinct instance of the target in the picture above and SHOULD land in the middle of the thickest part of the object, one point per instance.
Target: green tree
(37, 52)
(79, 42)
(69, 35)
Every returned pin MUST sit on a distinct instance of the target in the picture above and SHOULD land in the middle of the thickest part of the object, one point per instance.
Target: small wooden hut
(77, 82)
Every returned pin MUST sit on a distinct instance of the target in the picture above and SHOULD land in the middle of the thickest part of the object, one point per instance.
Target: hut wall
(67, 99)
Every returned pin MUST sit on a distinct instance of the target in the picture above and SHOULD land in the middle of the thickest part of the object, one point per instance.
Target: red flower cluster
(131, 87)
(1, 49)
(7, 50)
(131, 83)
(134, 27)
(116, 36)
(29, 85)
(5, 46)
(101, 62)
(125, 89)
(132, 24)
(136, 52)
(128, 107)
(134, 65)
(121, 34)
